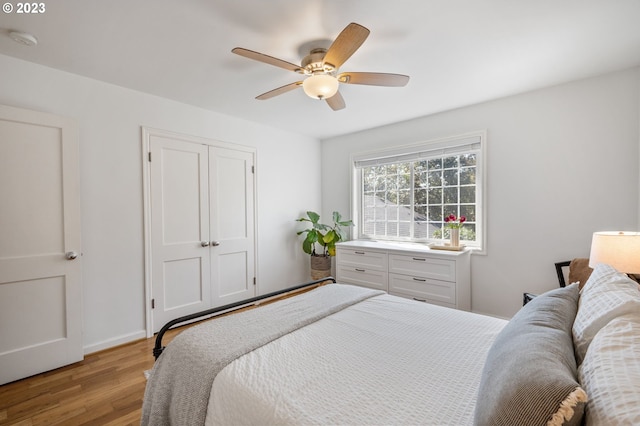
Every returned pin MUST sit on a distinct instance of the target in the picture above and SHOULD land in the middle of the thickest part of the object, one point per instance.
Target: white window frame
(476, 141)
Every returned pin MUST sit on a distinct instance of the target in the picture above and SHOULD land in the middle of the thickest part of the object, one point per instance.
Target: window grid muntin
(454, 176)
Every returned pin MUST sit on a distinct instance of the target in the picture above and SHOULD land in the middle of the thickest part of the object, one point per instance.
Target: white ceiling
(457, 52)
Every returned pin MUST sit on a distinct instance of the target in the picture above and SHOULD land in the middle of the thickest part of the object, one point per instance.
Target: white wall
(110, 120)
(579, 143)
(562, 163)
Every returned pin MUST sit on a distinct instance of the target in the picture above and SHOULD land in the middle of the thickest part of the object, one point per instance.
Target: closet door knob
(204, 243)
(70, 255)
(215, 243)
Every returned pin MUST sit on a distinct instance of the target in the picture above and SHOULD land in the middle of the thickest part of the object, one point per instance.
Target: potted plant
(324, 235)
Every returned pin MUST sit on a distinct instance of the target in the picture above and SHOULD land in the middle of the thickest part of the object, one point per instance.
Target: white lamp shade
(320, 86)
(618, 249)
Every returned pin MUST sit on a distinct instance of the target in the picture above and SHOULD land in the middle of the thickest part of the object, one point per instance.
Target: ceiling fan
(321, 68)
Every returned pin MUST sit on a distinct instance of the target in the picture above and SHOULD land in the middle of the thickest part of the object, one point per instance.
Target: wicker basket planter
(320, 267)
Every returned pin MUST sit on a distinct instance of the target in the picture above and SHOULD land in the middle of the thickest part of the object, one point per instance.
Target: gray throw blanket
(179, 386)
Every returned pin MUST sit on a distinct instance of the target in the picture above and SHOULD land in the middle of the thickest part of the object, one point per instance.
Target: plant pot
(320, 267)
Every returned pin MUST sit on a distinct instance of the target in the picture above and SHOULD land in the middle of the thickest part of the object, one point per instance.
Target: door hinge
(149, 156)
(253, 169)
(153, 303)
(254, 280)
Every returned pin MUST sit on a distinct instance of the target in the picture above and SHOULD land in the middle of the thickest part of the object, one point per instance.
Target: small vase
(454, 233)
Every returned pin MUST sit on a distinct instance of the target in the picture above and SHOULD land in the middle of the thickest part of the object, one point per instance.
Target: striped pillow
(530, 375)
(610, 373)
(606, 295)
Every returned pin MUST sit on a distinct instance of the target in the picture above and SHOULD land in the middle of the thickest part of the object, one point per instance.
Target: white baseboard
(120, 340)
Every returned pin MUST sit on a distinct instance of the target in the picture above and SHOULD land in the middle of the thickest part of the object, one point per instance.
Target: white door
(180, 265)
(232, 225)
(40, 257)
(202, 243)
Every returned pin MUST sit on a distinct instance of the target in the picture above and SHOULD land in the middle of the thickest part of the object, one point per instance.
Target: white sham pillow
(606, 295)
(610, 373)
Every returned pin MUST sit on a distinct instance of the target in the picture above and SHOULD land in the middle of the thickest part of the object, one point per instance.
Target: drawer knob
(419, 258)
(419, 300)
(358, 252)
(419, 279)
(359, 270)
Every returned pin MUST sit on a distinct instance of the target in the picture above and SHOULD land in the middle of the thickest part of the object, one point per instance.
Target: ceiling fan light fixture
(321, 64)
(320, 86)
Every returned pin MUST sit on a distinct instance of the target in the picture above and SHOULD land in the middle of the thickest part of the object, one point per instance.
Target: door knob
(70, 255)
(215, 243)
(204, 243)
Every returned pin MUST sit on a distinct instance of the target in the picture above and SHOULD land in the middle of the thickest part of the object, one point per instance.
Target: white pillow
(607, 294)
(610, 373)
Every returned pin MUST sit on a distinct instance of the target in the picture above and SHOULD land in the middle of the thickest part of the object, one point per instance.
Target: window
(405, 193)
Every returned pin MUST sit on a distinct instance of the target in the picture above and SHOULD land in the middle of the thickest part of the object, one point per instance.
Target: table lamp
(618, 249)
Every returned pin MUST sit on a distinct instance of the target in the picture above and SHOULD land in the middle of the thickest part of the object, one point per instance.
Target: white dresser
(408, 270)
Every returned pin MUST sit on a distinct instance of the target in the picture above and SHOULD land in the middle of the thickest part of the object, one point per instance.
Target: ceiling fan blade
(261, 57)
(336, 102)
(374, 79)
(347, 42)
(279, 91)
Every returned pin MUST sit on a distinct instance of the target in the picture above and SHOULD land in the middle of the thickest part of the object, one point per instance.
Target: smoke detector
(23, 38)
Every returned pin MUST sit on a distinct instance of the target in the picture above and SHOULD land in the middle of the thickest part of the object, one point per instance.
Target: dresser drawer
(441, 292)
(361, 276)
(422, 266)
(363, 259)
(432, 302)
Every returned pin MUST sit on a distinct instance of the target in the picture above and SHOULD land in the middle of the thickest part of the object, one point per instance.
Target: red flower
(454, 222)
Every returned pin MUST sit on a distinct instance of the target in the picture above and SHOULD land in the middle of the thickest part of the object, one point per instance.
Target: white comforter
(385, 360)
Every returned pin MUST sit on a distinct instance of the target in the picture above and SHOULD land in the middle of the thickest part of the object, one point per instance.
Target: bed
(341, 354)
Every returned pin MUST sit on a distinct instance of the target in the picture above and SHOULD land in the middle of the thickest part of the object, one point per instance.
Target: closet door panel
(232, 224)
(179, 228)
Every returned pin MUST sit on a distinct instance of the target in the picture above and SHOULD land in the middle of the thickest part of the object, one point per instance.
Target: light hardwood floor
(106, 388)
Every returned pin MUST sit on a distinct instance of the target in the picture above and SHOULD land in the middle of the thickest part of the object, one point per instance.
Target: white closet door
(201, 215)
(40, 253)
(180, 263)
(232, 225)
